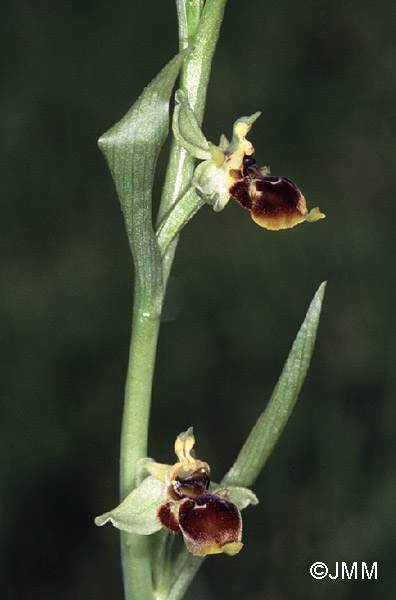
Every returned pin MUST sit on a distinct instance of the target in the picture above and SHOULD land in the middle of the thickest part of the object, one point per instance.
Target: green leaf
(131, 148)
(269, 426)
(138, 512)
(187, 130)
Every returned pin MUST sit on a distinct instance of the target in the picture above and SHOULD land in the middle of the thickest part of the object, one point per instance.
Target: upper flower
(230, 170)
(275, 202)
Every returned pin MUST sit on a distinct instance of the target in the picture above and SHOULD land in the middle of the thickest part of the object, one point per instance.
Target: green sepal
(138, 512)
(210, 184)
(270, 424)
(186, 129)
(241, 496)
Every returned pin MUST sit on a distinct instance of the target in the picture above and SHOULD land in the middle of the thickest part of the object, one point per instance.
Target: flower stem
(145, 329)
(202, 34)
(194, 80)
(202, 29)
(134, 548)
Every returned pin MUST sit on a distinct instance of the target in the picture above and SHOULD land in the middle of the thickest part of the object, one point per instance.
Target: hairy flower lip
(209, 523)
(275, 202)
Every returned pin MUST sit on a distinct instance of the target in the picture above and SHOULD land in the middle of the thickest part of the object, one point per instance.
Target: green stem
(135, 551)
(203, 30)
(145, 327)
(136, 567)
(194, 80)
(202, 34)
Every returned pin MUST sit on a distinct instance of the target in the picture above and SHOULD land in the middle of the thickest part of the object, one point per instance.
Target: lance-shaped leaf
(131, 148)
(269, 426)
(138, 512)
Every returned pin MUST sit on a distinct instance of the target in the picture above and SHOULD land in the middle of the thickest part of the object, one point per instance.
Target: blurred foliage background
(322, 73)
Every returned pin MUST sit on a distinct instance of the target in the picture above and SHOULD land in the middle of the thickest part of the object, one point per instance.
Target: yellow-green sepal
(138, 512)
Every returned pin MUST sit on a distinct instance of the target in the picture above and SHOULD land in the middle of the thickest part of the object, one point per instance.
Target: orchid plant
(157, 500)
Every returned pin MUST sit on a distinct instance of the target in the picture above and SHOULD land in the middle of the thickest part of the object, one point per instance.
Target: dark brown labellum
(274, 195)
(275, 202)
(209, 523)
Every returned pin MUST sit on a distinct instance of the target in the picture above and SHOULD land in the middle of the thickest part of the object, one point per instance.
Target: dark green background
(323, 75)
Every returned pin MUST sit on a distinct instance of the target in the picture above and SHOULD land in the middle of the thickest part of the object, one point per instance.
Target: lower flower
(178, 498)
